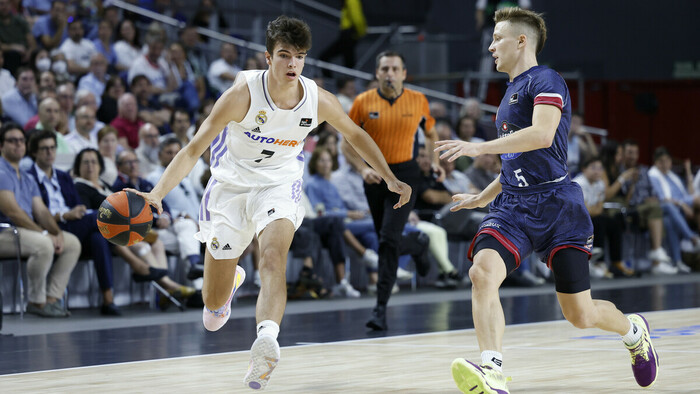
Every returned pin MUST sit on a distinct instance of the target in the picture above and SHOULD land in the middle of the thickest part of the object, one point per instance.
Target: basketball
(124, 218)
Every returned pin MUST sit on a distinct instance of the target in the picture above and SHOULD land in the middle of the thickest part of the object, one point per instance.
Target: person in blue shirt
(534, 206)
(20, 103)
(50, 30)
(51, 253)
(677, 205)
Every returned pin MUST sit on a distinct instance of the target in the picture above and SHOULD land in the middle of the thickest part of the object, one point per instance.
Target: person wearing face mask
(43, 63)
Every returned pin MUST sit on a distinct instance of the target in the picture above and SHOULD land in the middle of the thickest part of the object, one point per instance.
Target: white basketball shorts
(230, 215)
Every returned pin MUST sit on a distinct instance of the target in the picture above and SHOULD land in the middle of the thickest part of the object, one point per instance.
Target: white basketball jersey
(265, 148)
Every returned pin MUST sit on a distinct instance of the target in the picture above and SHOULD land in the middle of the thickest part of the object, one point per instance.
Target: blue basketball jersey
(538, 85)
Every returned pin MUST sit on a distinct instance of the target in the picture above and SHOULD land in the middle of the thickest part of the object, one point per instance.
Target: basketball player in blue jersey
(534, 207)
(256, 131)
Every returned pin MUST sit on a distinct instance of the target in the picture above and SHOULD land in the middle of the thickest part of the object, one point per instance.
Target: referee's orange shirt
(393, 125)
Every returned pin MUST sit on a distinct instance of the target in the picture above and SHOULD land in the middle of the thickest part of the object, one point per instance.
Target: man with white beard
(147, 151)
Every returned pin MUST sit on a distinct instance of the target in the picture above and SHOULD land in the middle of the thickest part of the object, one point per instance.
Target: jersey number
(519, 176)
(267, 153)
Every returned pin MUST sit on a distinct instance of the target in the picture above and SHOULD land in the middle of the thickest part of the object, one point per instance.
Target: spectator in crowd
(581, 146)
(444, 130)
(456, 182)
(47, 80)
(192, 88)
(195, 50)
(20, 103)
(153, 66)
(16, 40)
(485, 126)
(92, 191)
(149, 108)
(103, 42)
(96, 80)
(182, 200)
(7, 81)
(114, 89)
(346, 93)
(50, 30)
(147, 152)
(65, 94)
(209, 17)
(43, 95)
(176, 232)
(644, 207)
(431, 195)
(86, 98)
(607, 227)
(107, 146)
(41, 240)
(58, 193)
(81, 137)
(180, 124)
(127, 47)
(466, 130)
(677, 205)
(483, 171)
(126, 123)
(77, 49)
(438, 110)
(223, 70)
(359, 231)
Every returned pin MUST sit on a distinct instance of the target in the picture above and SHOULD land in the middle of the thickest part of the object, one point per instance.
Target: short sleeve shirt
(23, 187)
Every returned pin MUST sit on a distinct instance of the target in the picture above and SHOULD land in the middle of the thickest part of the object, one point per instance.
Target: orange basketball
(124, 218)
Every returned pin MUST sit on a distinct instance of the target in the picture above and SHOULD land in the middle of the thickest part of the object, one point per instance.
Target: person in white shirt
(96, 80)
(87, 98)
(77, 49)
(147, 151)
(153, 66)
(222, 71)
(127, 48)
(7, 81)
(80, 137)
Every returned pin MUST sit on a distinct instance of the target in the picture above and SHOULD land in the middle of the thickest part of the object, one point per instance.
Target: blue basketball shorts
(543, 221)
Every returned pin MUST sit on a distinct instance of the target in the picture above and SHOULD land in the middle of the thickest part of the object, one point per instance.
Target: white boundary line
(355, 341)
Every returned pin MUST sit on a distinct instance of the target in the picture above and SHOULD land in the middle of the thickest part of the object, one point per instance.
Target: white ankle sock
(633, 335)
(268, 327)
(493, 358)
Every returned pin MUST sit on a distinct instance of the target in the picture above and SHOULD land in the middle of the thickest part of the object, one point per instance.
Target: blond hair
(526, 18)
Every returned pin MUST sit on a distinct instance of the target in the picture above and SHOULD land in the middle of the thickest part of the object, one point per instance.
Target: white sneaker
(403, 274)
(682, 267)
(371, 259)
(659, 255)
(345, 289)
(214, 320)
(663, 269)
(264, 356)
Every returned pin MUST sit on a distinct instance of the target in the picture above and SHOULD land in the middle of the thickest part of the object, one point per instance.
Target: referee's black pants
(389, 223)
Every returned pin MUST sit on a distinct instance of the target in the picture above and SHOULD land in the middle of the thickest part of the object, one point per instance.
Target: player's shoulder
(545, 73)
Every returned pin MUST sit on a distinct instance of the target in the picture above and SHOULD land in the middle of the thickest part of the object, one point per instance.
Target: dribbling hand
(151, 200)
(456, 148)
(403, 190)
(467, 201)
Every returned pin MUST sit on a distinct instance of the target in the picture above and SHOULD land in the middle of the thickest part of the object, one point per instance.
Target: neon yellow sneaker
(645, 361)
(478, 379)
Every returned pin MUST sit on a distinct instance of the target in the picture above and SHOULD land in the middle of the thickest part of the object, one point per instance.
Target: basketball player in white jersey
(256, 131)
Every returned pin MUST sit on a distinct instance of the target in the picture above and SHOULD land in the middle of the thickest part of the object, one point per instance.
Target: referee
(392, 116)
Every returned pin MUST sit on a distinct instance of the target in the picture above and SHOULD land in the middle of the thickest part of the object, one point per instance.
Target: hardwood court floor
(546, 357)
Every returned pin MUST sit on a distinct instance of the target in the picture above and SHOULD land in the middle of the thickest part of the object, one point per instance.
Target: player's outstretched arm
(231, 106)
(545, 120)
(470, 201)
(329, 110)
